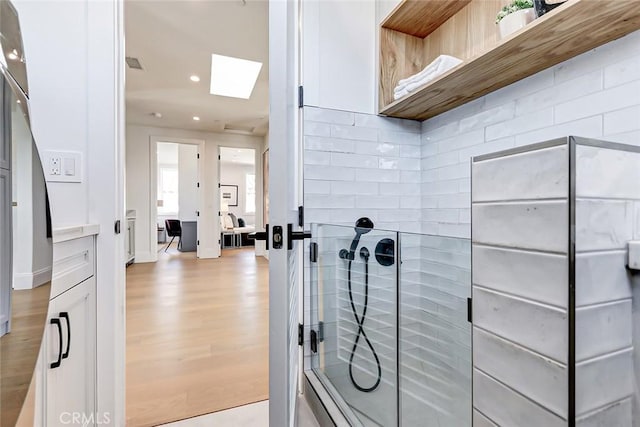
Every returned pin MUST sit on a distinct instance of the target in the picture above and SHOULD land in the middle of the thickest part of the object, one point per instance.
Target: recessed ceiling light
(157, 115)
(18, 101)
(196, 118)
(233, 77)
(13, 55)
(194, 78)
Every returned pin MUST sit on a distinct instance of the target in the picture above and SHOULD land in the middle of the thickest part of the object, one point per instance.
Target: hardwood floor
(197, 335)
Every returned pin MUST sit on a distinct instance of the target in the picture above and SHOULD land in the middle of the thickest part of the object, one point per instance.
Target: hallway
(197, 335)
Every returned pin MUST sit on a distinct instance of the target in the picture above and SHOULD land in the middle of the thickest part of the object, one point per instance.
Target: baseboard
(209, 253)
(142, 257)
(23, 281)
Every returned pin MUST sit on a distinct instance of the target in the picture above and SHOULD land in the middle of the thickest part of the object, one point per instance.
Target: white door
(71, 367)
(285, 190)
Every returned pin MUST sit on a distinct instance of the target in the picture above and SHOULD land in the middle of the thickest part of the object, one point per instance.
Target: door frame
(285, 190)
(153, 187)
(257, 172)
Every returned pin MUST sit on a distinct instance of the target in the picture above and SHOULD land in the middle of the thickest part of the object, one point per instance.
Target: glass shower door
(435, 334)
(390, 332)
(354, 321)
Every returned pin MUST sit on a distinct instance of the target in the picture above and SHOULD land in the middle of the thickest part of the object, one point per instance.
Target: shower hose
(361, 333)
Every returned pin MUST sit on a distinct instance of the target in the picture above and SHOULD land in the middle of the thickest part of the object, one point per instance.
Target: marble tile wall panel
(601, 277)
(603, 328)
(618, 414)
(505, 407)
(540, 328)
(537, 174)
(480, 420)
(604, 380)
(607, 173)
(526, 225)
(603, 224)
(538, 378)
(535, 275)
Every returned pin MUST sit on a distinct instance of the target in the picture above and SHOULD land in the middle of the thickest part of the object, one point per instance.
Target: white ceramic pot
(514, 21)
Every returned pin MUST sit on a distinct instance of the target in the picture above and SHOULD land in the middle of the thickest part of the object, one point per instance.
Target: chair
(174, 229)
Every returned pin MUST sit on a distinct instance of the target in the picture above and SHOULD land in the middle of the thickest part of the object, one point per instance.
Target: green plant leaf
(514, 6)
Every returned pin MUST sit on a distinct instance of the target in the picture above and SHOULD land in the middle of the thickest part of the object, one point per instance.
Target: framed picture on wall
(229, 194)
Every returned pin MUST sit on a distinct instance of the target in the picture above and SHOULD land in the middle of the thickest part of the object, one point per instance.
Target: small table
(233, 239)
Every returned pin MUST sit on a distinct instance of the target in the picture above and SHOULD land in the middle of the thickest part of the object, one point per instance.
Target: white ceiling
(175, 39)
(238, 156)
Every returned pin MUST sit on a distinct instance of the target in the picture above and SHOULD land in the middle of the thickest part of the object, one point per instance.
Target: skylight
(233, 77)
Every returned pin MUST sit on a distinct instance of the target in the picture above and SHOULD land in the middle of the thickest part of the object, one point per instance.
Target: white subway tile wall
(362, 165)
(373, 168)
(412, 176)
(596, 94)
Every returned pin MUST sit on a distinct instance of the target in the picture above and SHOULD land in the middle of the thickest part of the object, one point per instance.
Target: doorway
(175, 208)
(197, 326)
(238, 198)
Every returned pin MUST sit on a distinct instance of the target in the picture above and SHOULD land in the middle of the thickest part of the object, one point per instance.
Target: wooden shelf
(571, 29)
(421, 17)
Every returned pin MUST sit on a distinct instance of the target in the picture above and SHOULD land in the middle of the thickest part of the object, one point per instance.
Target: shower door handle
(295, 235)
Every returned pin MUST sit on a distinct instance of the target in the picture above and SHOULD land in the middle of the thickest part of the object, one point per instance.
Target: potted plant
(515, 16)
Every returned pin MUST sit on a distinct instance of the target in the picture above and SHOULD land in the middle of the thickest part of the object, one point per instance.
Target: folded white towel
(442, 62)
(439, 66)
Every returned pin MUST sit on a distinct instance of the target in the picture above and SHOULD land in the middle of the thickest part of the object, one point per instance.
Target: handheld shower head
(363, 226)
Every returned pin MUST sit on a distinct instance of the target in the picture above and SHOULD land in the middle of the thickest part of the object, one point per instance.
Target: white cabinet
(67, 378)
(71, 355)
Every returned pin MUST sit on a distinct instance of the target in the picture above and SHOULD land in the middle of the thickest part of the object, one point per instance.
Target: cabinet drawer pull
(57, 322)
(64, 315)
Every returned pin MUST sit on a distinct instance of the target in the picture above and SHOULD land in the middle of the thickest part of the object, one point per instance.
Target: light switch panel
(633, 261)
(62, 166)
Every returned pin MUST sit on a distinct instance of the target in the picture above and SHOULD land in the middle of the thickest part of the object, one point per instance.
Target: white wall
(138, 174)
(58, 94)
(339, 54)
(596, 94)
(187, 182)
(235, 174)
(74, 54)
